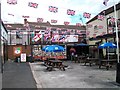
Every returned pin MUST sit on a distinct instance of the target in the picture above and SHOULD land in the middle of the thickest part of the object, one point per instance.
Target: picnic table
(107, 63)
(91, 61)
(55, 64)
(80, 58)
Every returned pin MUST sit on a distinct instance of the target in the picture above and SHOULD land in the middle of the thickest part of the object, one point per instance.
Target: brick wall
(24, 49)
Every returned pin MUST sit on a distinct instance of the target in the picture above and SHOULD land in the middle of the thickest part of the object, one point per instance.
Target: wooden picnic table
(55, 64)
(107, 63)
(91, 61)
(80, 58)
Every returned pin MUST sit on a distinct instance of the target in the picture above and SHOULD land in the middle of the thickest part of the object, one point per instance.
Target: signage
(23, 57)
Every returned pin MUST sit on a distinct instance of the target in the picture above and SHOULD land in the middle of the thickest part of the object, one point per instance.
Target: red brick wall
(12, 55)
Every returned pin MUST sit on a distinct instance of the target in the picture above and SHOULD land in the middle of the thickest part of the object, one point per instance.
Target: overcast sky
(80, 6)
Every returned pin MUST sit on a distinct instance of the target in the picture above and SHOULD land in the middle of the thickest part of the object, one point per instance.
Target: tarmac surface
(17, 75)
(76, 75)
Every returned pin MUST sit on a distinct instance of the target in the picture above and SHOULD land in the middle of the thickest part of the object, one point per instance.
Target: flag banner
(10, 14)
(26, 16)
(70, 12)
(65, 38)
(53, 9)
(53, 21)
(100, 27)
(31, 4)
(112, 20)
(86, 15)
(12, 2)
(105, 2)
(66, 23)
(9, 26)
(101, 17)
(37, 37)
(78, 24)
(39, 19)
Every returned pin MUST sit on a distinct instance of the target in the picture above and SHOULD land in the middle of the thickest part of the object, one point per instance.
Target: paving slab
(76, 76)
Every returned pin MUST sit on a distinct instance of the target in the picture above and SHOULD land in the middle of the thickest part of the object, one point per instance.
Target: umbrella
(108, 45)
(53, 48)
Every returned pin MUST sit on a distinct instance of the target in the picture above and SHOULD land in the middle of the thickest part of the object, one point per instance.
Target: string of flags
(39, 19)
(13, 2)
(70, 12)
(53, 9)
(31, 4)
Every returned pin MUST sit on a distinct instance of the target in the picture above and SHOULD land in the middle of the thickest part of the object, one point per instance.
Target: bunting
(66, 23)
(53, 21)
(101, 17)
(39, 19)
(86, 15)
(78, 24)
(12, 2)
(70, 12)
(31, 4)
(53, 9)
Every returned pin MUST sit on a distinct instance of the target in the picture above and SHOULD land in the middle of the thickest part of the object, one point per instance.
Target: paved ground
(75, 76)
(17, 75)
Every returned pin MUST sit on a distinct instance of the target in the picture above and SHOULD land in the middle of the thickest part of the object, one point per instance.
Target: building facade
(35, 35)
(102, 29)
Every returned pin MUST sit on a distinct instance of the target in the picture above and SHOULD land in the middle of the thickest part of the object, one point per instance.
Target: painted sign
(17, 50)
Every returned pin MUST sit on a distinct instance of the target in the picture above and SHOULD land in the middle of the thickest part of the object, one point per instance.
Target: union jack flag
(53, 9)
(100, 27)
(53, 21)
(39, 19)
(70, 12)
(66, 23)
(86, 15)
(101, 17)
(12, 2)
(112, 19)
(78, 24)
(34, 5)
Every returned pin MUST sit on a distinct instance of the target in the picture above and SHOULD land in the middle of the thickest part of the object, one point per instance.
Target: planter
(118, 73)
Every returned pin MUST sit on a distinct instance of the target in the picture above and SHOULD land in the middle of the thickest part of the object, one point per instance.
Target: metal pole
(116, 28)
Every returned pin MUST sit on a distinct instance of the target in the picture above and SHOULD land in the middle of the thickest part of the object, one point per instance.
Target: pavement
(76, 76)
(17, 75)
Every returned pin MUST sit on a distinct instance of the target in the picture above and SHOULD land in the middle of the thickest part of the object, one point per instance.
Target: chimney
(25, 21)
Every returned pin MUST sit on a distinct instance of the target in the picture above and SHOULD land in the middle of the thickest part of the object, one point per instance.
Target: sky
(79, 6)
